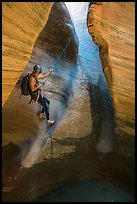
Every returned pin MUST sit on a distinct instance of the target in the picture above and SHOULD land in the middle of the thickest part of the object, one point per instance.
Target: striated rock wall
(112, 27)
(21, 24)
(59, 34)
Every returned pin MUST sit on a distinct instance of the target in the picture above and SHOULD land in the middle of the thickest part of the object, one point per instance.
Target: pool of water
(88, 191)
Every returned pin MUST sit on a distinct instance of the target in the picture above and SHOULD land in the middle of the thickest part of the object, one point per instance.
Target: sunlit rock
(112, 27)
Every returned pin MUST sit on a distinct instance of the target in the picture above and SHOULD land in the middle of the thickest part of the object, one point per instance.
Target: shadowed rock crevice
(103, 128)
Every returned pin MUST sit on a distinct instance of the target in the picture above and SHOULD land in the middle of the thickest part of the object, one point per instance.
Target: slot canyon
(89, 153)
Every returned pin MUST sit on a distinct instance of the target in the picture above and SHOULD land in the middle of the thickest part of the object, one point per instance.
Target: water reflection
(88, 191)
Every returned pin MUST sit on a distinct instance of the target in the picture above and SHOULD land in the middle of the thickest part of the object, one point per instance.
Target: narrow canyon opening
(81, 146)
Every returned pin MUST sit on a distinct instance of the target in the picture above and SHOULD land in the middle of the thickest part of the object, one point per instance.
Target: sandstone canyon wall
(54, 41)
(112, 26)
(21, 25)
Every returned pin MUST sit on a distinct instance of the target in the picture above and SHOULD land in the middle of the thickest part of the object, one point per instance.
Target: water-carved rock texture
(54, 41)
(112, 26)
(21, 25)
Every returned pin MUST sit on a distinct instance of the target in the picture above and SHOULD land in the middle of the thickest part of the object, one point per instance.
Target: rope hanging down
(65, 47)
(60, 56)
(52, 147)
(50, 136)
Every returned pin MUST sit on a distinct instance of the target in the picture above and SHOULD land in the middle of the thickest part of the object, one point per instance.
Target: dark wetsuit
(42, 100)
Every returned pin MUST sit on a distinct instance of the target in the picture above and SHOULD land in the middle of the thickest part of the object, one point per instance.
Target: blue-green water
(88, 191)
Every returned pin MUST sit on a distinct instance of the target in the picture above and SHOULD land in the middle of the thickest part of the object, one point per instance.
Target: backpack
(25, 88)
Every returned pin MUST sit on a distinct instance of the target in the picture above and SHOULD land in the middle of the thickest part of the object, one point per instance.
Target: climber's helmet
(37, 68)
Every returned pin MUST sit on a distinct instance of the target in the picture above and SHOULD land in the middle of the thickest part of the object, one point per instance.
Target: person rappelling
(36, 95)
(30, 86)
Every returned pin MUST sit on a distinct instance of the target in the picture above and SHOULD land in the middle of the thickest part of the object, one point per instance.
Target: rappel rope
(52, 147)
(53, 170)
(59, 57)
